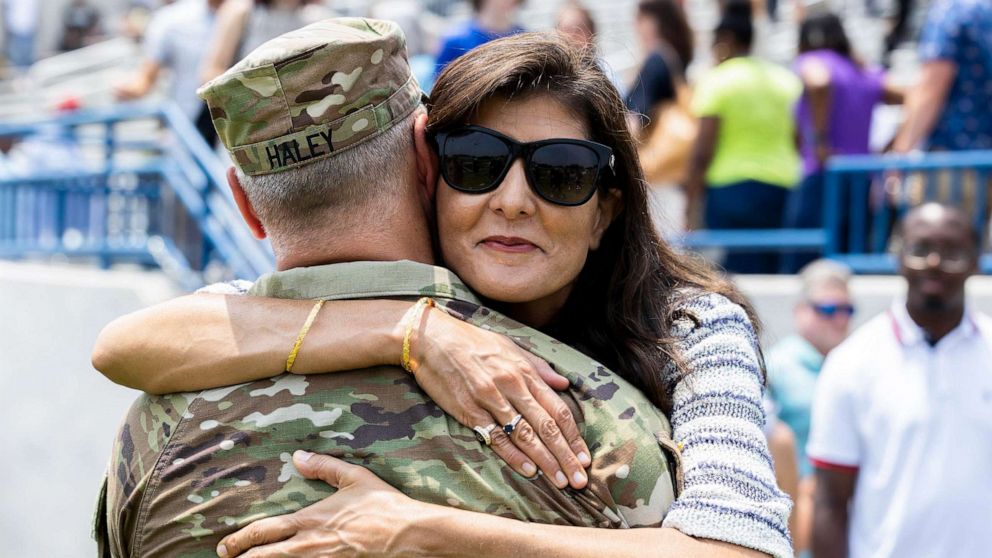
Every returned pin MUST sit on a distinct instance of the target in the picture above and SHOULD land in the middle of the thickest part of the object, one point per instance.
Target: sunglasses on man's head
(831, 310)
(561, 171)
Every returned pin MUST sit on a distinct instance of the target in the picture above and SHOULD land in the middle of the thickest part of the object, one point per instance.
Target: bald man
(901, 434)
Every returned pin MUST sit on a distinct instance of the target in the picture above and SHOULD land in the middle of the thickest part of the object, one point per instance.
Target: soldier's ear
(427, 164)
(244, 205)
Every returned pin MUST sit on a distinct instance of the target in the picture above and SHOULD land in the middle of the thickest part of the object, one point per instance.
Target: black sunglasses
(830, 310)
(561, 171)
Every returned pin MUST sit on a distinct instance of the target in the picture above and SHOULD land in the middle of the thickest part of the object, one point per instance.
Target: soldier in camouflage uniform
(188, 469)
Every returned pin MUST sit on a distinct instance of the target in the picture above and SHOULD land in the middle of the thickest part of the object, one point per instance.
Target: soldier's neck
(398, 234)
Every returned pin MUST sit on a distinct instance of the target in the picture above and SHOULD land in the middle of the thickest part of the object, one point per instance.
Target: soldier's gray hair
(822, 272)
(358, 179)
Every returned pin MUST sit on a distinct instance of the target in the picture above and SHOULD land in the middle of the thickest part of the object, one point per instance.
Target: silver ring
(508, 427)
(484, 434)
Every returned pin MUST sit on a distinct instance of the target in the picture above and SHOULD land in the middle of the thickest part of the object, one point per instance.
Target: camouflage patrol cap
(312, 93)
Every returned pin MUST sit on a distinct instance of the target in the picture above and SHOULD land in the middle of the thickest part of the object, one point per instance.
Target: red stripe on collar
(895, 326)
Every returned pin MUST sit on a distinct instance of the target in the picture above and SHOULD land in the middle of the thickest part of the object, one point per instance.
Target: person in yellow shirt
(745, 162)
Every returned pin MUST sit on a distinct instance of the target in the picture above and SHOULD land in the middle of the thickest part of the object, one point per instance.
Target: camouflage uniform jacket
(188, 469)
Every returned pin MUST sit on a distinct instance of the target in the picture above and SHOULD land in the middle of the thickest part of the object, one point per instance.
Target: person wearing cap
(901, 432)
(336, 99)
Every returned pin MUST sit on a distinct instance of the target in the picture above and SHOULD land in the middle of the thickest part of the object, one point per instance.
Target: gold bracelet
(414, 317)
(291, 359)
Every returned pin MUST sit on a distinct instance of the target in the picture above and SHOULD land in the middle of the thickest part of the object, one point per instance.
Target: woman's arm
(478, 377)
(730, 491)
(367, 517)
(204, 341)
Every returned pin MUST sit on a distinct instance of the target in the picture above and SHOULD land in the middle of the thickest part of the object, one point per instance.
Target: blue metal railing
(164, 201)
(866, 196)
(161, 202)
(863, 199)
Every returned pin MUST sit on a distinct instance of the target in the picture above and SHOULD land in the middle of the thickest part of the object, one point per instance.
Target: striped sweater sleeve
(730, 493)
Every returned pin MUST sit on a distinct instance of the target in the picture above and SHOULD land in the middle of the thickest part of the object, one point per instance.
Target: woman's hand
(365, 517)
(482, 378)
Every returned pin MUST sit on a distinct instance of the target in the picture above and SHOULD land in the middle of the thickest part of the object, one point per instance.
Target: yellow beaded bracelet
(414, 318)
(291, 359)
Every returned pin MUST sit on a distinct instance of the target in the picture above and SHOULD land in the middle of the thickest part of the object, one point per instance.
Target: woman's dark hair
(627, 297)
(824, 32)
(673, 28)
(736, 22)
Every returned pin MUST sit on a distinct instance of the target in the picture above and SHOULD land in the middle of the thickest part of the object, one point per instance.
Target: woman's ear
(609, 206)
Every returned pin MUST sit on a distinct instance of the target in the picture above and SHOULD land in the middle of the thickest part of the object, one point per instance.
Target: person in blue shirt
(492, 19)
(949, 108)
(822, 319)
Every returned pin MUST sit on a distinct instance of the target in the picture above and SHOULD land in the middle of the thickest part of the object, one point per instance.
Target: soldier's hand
(363, 518)
(482, 378)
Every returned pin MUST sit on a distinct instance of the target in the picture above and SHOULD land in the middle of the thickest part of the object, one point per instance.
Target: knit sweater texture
(730, 493)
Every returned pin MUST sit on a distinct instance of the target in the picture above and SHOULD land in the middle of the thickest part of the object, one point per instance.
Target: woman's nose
(514, 198)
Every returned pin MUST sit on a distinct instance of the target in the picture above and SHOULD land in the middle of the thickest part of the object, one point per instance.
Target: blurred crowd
(747, 141)
(729, 139)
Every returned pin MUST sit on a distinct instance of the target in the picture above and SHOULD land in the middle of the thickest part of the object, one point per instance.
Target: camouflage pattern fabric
(311, 93)
(188, 469)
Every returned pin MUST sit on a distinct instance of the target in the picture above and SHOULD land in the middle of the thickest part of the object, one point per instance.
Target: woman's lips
(509, 244)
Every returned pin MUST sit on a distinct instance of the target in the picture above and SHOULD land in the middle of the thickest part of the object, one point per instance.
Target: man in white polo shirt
(901, 433)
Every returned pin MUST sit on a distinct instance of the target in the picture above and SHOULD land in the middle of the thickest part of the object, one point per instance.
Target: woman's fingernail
(529, 469)
(584, 459)
(222, 550)
(302, 455)
(578, 478)
(562, 480)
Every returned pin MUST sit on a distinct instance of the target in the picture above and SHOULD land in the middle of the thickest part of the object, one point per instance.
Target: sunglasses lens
(473, 161)
(564, 173)
(829, 310)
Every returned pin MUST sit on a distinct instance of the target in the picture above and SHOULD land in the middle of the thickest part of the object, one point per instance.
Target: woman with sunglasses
(542, 210)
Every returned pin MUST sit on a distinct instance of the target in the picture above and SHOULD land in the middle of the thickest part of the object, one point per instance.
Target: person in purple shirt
(833, 116)
(492, 20)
